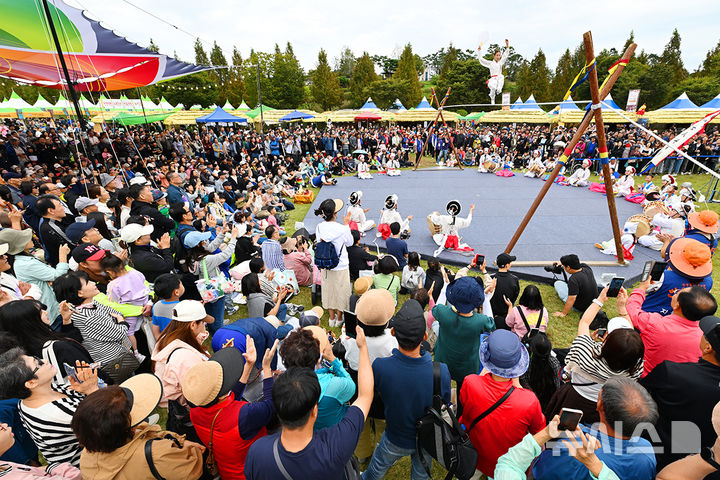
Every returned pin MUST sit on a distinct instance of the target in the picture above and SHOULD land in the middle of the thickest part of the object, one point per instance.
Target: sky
(383, 27)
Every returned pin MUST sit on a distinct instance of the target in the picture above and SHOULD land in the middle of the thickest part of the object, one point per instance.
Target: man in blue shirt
(404, 380)
(298, 452)
(626, 410)
(396, 246)
(272, 250)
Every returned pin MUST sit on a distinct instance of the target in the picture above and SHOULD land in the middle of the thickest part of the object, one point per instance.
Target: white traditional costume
(581, 176)
(497, 79)
(536, 167)
(625, 185)
(449, 227)
(363, 170)
(393, 166)
(666, 220)
(389, 216)
(635, 227)
(357, 213)
(487, 162)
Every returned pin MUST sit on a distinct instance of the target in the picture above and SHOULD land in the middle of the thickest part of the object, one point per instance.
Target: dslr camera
(555, 268)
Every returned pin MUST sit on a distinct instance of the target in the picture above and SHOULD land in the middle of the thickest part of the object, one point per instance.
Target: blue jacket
(176, 194)
(24, 448)
(659, 300)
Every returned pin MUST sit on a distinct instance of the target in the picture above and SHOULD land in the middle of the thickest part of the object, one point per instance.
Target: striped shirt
(272, 255)
(103, 336)
(49, 427)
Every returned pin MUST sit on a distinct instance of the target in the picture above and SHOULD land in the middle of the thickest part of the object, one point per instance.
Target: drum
(650, 209)
(643, 224)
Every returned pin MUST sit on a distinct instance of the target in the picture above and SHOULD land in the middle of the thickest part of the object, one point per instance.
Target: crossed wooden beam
(439, 115)
(596, 112)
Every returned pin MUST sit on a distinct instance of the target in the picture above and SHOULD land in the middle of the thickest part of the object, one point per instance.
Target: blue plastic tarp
(219, 116)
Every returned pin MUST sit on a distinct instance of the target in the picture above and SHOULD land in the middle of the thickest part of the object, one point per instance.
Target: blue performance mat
(569, 220)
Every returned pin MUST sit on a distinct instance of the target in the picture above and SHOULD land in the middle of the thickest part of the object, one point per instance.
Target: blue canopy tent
(369, 105)
(424, 105)
(397, 106)
(530, 104)
(680, 103)
(295, 115)
(518, 103)
(566, 106)
(610, 104)
(220, 116)
(713, 104)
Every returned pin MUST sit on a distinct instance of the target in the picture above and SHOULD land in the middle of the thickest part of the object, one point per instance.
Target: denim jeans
(562, 290)
(216, 310)
(282, 312)
(385, 456)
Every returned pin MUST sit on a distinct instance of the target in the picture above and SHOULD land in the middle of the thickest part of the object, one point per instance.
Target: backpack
(531, 332)
(177, 247)
(446, 442)
(326, 256)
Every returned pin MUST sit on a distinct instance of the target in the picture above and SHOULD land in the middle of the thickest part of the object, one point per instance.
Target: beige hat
(290, 245)
(362, 285)
(375, 307)
(208, 381)
(320, 335)
(144, 392)
(15, 240)
(190, 311)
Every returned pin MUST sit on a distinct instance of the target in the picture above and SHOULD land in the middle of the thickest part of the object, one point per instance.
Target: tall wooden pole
(568, 150)
(602, 145)
(432, 128)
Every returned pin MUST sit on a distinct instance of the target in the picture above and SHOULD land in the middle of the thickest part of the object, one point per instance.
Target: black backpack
(456, 453)
(178, 247)
(531, 332)
(326, 256)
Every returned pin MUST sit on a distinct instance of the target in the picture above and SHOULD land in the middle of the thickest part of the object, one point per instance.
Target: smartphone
(657, 271)
(569, 419)
(478, 260)
(601, 332)
(71, 372)
(646, 269)
(615, 286)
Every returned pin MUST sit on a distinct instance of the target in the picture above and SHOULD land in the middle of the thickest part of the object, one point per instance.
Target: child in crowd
(127, 286)
(413, 275)
(168, 289)
(396, 246)
(384, 277)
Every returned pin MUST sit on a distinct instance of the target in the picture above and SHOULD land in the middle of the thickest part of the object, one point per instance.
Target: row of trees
(350, 80)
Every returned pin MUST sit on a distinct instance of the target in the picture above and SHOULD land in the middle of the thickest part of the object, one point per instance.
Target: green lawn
(560, 330)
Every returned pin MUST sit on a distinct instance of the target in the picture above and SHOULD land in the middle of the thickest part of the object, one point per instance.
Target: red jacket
(229, 448)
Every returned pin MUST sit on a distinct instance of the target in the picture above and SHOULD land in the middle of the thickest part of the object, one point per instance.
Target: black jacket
(245, 249)
(507, 285)
(51, 239)
(150, 261)
(358, 258)
(161, 223)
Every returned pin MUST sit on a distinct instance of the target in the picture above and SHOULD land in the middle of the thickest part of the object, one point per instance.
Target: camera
(555, 268)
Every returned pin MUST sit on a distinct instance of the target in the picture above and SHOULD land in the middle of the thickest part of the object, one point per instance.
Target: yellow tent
(424, 116)
(679, 116)
(609, 116)
(184, 117)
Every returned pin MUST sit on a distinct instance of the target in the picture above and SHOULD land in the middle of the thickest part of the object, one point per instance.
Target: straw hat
(375, 307)
(207, 381)
(362, 285)
(15, 240)
(690, 257)
(705, 221)
(144, 392)
(320, 335)
(643, 224)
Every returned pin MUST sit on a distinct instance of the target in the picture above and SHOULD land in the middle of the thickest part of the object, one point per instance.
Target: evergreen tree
(201, 57)
(711, 64)
(250, 78)
(450, 57)
(219, 76)
(325, 87)
(672, 59)
(407, 72)
(345, 63)
(524, 87)
(541, 77)
(288, 80)
(629, 41)
(563, 76)
(236, 83)
(362, 77)
(152, 47)
(467, 79)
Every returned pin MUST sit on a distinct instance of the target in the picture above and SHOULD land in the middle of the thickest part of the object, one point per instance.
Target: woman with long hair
(179, 348)
(260, 304)
(542, 376)
(530, 313)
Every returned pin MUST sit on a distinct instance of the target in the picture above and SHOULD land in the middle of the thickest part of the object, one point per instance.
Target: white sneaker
(140, 357)
(332, 323)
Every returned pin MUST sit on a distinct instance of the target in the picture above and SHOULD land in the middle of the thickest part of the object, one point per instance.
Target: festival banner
(506, 101)
(632, 101)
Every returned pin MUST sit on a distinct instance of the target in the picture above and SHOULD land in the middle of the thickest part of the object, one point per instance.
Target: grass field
(561, 331)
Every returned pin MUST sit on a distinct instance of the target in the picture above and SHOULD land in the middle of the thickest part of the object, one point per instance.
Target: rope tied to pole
(580, 78)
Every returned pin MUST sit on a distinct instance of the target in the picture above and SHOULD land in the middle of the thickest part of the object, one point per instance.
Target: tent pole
(71, 90)
(260, 98)
(143, 106)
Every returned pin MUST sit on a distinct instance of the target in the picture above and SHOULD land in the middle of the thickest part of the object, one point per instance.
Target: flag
(680, 140)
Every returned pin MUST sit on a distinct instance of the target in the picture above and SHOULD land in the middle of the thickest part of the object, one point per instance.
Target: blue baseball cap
(193, 239)
(77, 230)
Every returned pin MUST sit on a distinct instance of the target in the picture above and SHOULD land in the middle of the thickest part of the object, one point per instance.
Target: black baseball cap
(88, 251)
(409, 323)
(503, 259)
(709, 325)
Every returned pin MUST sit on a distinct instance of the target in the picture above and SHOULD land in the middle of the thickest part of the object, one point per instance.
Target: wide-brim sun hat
(690, 257)
(16, 240)
(362, 285)
(705, 221)
(375, 307)
(502, 354)
(339, 204)
(320, 335)
(144, 392)
(208, 381)
(465, 294)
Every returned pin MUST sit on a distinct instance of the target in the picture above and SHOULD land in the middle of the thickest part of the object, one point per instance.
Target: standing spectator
(625, 408)
(673, 337)
(52, 230)
(580, 289)
(396, 246)
(404, 380)
(504, 359)
(298, 449)
(507, 286)
(461, 328)
(272, 250)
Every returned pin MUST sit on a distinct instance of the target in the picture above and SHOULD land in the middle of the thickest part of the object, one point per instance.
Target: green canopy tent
(256, 111)
(127, 119)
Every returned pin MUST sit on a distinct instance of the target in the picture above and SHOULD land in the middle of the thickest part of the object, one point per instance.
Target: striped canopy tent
(272, 116)
(424, 105)
(195, 107)
(164, 105)
(680, 110)
(102, 102)
(348, 116)
(713, 104)
(419, 115)
(15, 102)
(183, 117)
(369, 105)
(42, 103)
(148, 103)
(243, 107)
(255, 112)
(518, 103)
(86, 104)
(179, 107)
(527, 112)
(565, 106)
(472, 116)
(608, 111)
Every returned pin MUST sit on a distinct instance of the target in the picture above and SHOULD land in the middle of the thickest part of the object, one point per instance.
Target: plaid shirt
(272, 255)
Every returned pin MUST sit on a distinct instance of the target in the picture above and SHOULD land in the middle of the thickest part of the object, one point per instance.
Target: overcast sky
(383, 26)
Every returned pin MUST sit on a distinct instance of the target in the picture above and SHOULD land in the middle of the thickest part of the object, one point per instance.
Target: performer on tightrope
(450, 226)
(497, 79)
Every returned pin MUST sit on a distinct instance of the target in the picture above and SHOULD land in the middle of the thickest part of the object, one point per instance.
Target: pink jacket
(183, 358)
(515, 323)
(300, 263)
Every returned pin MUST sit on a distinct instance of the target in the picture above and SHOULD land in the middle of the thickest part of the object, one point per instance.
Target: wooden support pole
(568, 151)
(602, 145)
(432, 128)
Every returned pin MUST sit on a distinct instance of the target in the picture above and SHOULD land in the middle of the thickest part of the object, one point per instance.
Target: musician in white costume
(393, 166)
(497, 79)
(357, 213)
(363, 169)
(536, 167)
(390, 215)
(487, 162)
(581, 176)
(625, 185)
(450, 226)
(672, 222)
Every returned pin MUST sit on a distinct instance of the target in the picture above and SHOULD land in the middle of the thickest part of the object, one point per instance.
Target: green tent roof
(133, 119)
(256, 111)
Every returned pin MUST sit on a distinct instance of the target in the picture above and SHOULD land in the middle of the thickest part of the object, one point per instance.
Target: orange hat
(691, 257)
(705, 221)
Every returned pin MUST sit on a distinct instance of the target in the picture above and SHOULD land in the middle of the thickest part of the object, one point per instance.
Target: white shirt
(339, 235)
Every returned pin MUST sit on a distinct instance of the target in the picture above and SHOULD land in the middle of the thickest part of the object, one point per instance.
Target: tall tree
(219, 75)
(629, 41)
(236, 83)
(541, 77)
(251, 73)
(407, 72)
(363, 75)
(563, 76)
(325, 87)
(288, 80)
(201, 57)
(671, 58)
(345, 63)
(711, 64)
(467, 79)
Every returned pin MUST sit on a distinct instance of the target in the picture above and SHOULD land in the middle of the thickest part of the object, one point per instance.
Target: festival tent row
(683, 110)
(519, 112)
